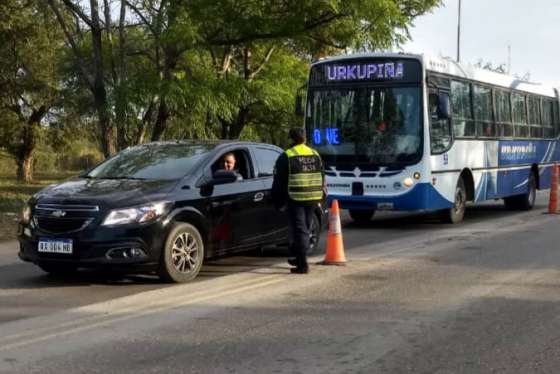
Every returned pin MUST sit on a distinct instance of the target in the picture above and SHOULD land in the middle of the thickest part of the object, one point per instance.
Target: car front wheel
(182, 255)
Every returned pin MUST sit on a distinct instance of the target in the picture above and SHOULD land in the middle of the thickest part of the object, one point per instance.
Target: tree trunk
(106, 132)
(25, 166)
(171, 57)
(161, 120)
(225, 129)
(237, 126)
(99, 91)
(121, 120)
(26, 152)
(119, 77)
(140, 134)
(143, 124)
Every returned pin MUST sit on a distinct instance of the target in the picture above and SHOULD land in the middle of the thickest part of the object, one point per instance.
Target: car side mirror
(299, 105)
(223, 177)
(443, 107)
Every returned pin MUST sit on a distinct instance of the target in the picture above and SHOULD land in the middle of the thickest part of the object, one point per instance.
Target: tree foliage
(137, 70)
(29, 77)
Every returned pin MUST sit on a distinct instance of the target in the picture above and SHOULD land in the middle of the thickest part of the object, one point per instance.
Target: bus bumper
(422, 196)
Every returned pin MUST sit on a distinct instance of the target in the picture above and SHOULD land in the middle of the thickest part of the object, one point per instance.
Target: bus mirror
(299, 105)
(443, 110)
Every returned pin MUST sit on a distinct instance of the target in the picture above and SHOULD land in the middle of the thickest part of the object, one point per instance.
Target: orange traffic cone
(335, 247)
(553, 201)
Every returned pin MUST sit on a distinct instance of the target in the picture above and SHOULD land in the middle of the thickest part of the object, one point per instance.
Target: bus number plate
(385, 206)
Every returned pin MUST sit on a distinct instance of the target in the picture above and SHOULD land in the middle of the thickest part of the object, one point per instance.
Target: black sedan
(163, 207)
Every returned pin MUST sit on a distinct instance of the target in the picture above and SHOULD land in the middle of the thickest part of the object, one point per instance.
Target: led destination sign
(366, 71)
(375, 70)
(329, 136)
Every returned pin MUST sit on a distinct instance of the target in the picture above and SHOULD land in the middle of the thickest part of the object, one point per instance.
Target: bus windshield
(373, 125)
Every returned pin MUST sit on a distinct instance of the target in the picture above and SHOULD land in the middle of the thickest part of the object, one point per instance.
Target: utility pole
(459, 34)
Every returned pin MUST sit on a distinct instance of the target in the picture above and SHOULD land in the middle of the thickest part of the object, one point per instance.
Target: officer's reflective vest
(305, 180)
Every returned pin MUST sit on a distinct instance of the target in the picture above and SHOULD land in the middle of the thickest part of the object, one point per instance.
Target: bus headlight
(408, 182)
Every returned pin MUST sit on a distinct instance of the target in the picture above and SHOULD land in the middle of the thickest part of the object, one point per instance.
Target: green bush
(7, 164)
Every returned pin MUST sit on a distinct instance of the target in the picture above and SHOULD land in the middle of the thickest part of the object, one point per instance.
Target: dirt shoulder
(8, 226)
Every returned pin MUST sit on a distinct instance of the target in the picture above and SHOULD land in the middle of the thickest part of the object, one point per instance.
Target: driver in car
(228, 162)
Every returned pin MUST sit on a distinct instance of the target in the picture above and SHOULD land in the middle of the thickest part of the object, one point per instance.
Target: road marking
(131, 312)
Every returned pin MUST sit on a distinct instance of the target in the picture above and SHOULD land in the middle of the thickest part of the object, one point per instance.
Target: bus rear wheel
(456, 213)
(361, 216)
(525, 201)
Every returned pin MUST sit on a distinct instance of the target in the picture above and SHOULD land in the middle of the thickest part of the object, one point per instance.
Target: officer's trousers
(299, 226)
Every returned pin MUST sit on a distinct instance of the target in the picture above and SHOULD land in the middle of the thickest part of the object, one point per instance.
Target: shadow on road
(413, 221)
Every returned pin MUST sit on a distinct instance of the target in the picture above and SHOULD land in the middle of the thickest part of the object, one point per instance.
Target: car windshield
(152, 161)
(375, 125)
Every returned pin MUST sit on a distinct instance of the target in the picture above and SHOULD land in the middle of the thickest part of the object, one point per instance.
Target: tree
(198, 68)
(95, 79)
(244, 40)
(29, 80)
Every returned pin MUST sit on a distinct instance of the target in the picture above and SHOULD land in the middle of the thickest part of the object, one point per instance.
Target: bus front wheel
(361, 216)
(456, 213)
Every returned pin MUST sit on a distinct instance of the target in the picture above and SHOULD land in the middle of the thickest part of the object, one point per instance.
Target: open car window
(242, 166)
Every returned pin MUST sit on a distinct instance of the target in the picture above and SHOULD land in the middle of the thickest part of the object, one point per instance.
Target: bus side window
(440, 129)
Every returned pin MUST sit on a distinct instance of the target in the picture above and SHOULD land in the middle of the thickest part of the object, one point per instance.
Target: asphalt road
(416, 296)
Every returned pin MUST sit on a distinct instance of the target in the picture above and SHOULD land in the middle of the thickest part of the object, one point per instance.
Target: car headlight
(139, 214)
(26, 214)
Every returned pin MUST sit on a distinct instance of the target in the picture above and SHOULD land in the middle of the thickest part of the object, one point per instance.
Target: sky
(531, 28)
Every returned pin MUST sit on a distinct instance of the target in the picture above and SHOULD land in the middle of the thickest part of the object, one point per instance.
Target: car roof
(216, 144)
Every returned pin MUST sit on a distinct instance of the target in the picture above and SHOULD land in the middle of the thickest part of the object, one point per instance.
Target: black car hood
(115, 193)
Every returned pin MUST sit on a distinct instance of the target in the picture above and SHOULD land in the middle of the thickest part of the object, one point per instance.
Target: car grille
(62, 225)
(63, 218)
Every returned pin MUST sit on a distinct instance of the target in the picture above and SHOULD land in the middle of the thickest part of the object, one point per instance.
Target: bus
(411, 132)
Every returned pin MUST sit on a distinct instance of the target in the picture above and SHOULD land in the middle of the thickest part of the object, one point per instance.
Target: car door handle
(258, 197)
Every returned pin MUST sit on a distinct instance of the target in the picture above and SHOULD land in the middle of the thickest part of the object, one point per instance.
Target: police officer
(298, 187)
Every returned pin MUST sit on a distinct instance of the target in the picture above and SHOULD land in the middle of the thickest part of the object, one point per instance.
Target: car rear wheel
(182, 255)
(361, 216)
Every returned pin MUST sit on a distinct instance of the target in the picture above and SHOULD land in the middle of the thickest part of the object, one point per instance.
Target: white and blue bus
(416, 133)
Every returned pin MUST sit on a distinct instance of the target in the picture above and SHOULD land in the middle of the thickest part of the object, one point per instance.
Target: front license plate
(385, 206)
(55, 246)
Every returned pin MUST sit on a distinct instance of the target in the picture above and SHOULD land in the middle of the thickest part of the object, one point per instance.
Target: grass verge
(13, 196)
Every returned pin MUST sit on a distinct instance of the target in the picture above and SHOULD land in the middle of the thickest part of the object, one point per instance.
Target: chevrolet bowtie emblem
(58, 213)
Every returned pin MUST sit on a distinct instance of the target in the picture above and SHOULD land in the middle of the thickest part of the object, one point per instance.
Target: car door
(273, 223)
(239, 206)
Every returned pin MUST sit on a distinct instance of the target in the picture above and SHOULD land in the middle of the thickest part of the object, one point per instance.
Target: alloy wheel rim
(313, 234)
(184, 253)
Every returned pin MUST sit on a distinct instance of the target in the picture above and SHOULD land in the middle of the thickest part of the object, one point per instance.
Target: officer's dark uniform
(298, 185)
